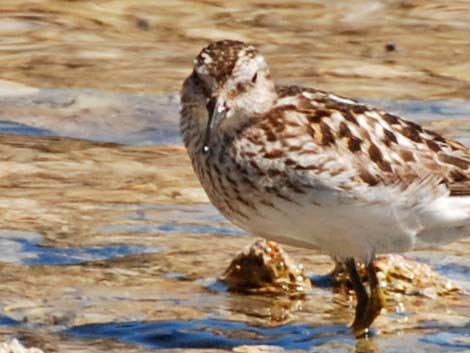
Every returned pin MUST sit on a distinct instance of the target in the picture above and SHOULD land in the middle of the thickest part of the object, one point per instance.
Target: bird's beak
(217, 111)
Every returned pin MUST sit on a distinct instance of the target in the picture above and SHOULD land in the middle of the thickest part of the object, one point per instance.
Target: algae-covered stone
(400, 275)
(264, 267)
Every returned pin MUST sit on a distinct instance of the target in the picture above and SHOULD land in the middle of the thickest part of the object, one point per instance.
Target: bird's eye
(253, 79)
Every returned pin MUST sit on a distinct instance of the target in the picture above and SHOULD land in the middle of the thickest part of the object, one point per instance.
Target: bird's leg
(377, 300)
(360, 291)
(375, 303)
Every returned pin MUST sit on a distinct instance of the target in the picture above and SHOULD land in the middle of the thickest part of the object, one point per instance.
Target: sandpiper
(310, 168)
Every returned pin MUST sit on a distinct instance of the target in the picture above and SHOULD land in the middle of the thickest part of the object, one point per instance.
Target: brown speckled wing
(379, 146)
(459, 188)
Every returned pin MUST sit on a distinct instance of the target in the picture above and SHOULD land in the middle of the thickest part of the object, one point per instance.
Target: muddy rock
(264, 267)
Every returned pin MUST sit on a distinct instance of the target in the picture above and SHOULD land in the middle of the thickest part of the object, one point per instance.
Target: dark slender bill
(217, 110)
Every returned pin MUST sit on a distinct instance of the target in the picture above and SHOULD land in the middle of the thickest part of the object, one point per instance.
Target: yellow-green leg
(368, 305)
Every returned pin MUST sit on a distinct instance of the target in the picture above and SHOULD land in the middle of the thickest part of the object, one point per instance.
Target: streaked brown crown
(218, 59)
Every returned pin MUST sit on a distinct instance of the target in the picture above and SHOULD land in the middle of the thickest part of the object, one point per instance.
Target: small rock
(390, 46)
(264, 267)
(398, 274)
(142, 24)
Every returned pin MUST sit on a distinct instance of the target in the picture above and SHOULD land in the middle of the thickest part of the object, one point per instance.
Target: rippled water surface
(108, 243)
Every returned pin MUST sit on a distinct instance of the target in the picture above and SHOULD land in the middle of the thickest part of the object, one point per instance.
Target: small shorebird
(309, 168)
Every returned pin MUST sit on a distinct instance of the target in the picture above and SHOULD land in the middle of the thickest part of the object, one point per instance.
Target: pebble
(14, 346)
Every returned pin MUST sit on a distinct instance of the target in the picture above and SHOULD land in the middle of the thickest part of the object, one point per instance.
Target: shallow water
(104, 265)
(107, 247)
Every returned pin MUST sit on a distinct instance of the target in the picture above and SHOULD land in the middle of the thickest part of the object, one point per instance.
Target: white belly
(352, 229)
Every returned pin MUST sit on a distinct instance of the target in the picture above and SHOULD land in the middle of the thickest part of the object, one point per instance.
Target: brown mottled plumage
(313, 169)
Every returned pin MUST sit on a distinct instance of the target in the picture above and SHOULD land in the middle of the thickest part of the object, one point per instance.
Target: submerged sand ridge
(366, 48)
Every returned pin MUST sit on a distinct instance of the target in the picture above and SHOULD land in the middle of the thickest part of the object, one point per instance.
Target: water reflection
(224, 334)
(91, 114)
(165, 219)
(454, 340)
(153, 120)
(6, 321)
(11, 127)
(214, 334)
(26, 248)
(451, 266)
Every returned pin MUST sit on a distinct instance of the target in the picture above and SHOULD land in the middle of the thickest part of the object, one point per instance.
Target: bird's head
(236, 83)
